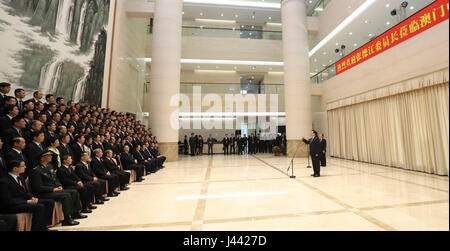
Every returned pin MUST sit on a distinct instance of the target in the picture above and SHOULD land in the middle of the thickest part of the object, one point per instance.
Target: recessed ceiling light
(367, 21)
(411, 8)
(388, 23)
(350, 33)
(355, 45)
(324, 53)
(387, 5)
(221, 15)
(201, 13)
(370, 34)
(337, 44)
(236, 16)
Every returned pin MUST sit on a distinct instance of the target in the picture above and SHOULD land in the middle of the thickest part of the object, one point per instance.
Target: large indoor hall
(225, 123)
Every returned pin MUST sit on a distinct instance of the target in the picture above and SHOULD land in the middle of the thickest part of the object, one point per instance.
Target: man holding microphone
(315, 149)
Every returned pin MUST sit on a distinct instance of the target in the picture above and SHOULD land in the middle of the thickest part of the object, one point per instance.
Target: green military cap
(45, 153)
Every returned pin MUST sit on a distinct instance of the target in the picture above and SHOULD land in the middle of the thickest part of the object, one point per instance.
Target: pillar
(165, 74)
(296, 75)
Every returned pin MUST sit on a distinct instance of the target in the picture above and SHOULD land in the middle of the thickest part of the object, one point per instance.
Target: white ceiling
(376, 20)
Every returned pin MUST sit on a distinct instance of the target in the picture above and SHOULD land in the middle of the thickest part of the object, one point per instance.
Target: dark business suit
(113, 168)
(323, 152)
(154, 163)
(129, 164)
(77, 151)
(315, 149)
(65, 150)
(86, 175)
(5, 123)
(101, 172)
(32, 152)
(13, 155)
(225, 143)
(3, 167)
(13, 200)
(69, 180)
(141, 161)
(8, 136)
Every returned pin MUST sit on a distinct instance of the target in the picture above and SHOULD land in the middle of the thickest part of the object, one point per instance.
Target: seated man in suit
(130, 163)
(154, 151)
(154, 162)
(15, 199)
(101, 172)
(45, 184)
(140, 158)
(111, 166)
(86, 175)
(70, 180)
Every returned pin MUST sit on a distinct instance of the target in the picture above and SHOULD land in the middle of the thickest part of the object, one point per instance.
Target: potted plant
(276, 150)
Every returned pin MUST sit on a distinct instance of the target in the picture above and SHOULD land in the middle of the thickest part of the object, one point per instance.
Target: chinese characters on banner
(430, 16)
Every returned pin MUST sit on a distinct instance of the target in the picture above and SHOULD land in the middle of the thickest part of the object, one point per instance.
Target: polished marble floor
(225, 193)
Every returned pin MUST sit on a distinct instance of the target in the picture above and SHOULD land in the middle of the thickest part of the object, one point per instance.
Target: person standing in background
(186, 145)
(323, 154)
(210, 142)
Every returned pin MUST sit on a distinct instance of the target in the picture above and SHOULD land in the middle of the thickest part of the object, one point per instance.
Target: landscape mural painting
(55, 46)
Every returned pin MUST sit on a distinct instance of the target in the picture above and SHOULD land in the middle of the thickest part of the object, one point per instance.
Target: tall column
(165, 74)
(296, 75)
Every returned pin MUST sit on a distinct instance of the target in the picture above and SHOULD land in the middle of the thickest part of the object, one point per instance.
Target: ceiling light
(350, 33)
(411, 8)
(387, 5)
(342, 25)
(237, 3)
(214, 20)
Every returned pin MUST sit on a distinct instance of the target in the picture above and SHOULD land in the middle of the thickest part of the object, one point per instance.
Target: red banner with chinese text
(423, 20)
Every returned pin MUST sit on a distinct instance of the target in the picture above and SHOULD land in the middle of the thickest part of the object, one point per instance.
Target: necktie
(20, 184)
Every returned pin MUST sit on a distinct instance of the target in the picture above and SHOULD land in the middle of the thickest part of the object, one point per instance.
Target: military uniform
(43, 180)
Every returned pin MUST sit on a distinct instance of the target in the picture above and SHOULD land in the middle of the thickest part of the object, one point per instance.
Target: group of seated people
(75, 154)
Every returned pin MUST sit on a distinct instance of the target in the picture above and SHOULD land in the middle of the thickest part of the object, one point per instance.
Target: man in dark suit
(11, 111)
(78, 148)
(323, 153)
(37, 96)
(34, 149)
(64, 148)
(50, 132)
(130, 163)
(226, 143)
(315, 149)
(45, 184)
(113, 168)
(192, 144)
(70, 180)
(16, 152)
(141, 159)
(14, 198)
(3, 167)
(86, 175)
(18, 124)
(154, 162)
(5, 88)
(101, 172)
(20, 95)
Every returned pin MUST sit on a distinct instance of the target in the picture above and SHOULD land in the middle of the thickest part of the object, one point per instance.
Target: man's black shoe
(86, 211)
(92, 207)
(105, 199)
(112, 195)
(70, 222)
(124, 188)
(78, 216)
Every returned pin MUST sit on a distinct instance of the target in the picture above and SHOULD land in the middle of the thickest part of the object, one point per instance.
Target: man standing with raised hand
(315, 149)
